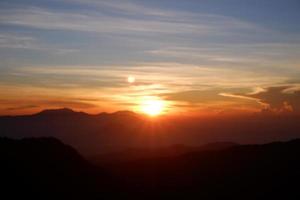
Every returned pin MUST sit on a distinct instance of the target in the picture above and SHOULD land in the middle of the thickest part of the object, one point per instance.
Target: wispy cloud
(124, 6)
(22, 107)
(173, 75)
(179, 23)
(143, 31)
(15, 41)
(255, 56)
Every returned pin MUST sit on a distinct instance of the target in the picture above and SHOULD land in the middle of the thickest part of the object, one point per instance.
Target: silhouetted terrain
(46, 168)
(115, 132)
(132, 154)
(268, 171)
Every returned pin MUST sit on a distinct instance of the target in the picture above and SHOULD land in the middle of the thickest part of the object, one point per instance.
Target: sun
(130, 79)
(152, 107)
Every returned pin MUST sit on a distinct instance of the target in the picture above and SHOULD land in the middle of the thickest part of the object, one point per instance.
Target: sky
(194, 56)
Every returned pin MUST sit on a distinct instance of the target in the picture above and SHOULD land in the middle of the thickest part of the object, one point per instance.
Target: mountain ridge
(69, 111)
(112, 132)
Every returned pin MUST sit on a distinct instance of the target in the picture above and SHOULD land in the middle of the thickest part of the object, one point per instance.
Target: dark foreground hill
(45, 168)
(269, 171)
(132, 154)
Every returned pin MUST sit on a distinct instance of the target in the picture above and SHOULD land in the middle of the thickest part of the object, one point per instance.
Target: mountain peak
(124, 112)
(60, 111)
(121, 113)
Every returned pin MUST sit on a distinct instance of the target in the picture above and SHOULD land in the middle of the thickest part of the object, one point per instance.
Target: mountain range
(115, 132)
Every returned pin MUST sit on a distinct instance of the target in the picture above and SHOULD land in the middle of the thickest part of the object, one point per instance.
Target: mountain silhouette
(268, 171)
(132, 154)
(88, 133)
(45, 168)
(59, 112)
(115, 132)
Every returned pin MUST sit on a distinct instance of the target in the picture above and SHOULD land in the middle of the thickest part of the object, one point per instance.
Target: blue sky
(89, 47)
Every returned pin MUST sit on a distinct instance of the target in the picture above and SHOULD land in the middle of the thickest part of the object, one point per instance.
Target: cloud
(195, 96)
(22, 107)
(210, 101)
(258, 56)
(122, 31)
(17, 41)
(173, 76)
(123, 6)
(14, 41)
(276, 99)
(280, 99)
(27, 105)
(174, 22)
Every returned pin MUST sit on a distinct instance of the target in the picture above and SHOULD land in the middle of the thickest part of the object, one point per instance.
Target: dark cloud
(22, 107)
(45, 104)
(125, 104)
(277, 99)
(66, 103)
(280, 99)
(201, 96)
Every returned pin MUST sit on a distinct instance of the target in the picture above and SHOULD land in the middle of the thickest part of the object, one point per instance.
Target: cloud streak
(175, 23)
(14, 41)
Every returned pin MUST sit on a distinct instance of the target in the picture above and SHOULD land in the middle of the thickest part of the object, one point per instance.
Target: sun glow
(152, 107)
(130, 79)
